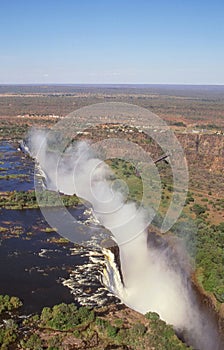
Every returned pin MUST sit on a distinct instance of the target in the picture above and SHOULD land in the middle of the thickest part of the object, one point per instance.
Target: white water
(151, 282)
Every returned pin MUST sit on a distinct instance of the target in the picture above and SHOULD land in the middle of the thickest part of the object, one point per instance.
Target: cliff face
(205, 156)
(204, 153)
(207, 149)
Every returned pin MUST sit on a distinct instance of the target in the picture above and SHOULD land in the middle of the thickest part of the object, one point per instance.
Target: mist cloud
(151, 282)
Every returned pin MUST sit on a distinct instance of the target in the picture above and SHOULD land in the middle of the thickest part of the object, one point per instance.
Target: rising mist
(151, 281)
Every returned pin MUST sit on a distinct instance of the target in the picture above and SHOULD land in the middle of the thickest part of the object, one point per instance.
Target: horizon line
(113, 84)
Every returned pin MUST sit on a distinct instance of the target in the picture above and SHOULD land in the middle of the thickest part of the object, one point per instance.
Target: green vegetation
(127, 172)
(151, 334)
(27, 200)
(33, 342)
(50, 229)
(8, 334)
(201, 224)
(18, 200)
(64, 317)
(9, 329)
(178, 124)
(13, 176)
(12, 131)
(58, 240)
(210, 257)
(209, 126)
(162, 336)
(205, 243)
(67, 324)
(199, 209)
(8, 303)
(16, 231)
(189, 198)
(84, 324)
(50, 198)
(203, 239)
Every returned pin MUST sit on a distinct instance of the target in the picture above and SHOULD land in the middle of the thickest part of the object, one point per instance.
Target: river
(34, 265)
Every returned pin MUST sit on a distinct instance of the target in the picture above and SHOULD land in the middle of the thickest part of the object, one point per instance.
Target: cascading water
(151, 283)
(111, 277)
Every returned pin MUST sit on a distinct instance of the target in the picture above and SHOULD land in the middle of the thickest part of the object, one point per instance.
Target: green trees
(34, 342)
(162, 335)
(139, 329)
(112, 331)
(23, 200)
(210, 258)
(153, 316)
(8, 334)
(8, 303)
(199, 209)
(65, 323)
(64, 317)
(8, 330)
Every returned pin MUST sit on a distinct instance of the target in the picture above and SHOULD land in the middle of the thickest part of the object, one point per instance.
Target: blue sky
(94, 41)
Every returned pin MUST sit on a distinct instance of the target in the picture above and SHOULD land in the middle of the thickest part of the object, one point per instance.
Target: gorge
(153, 277)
